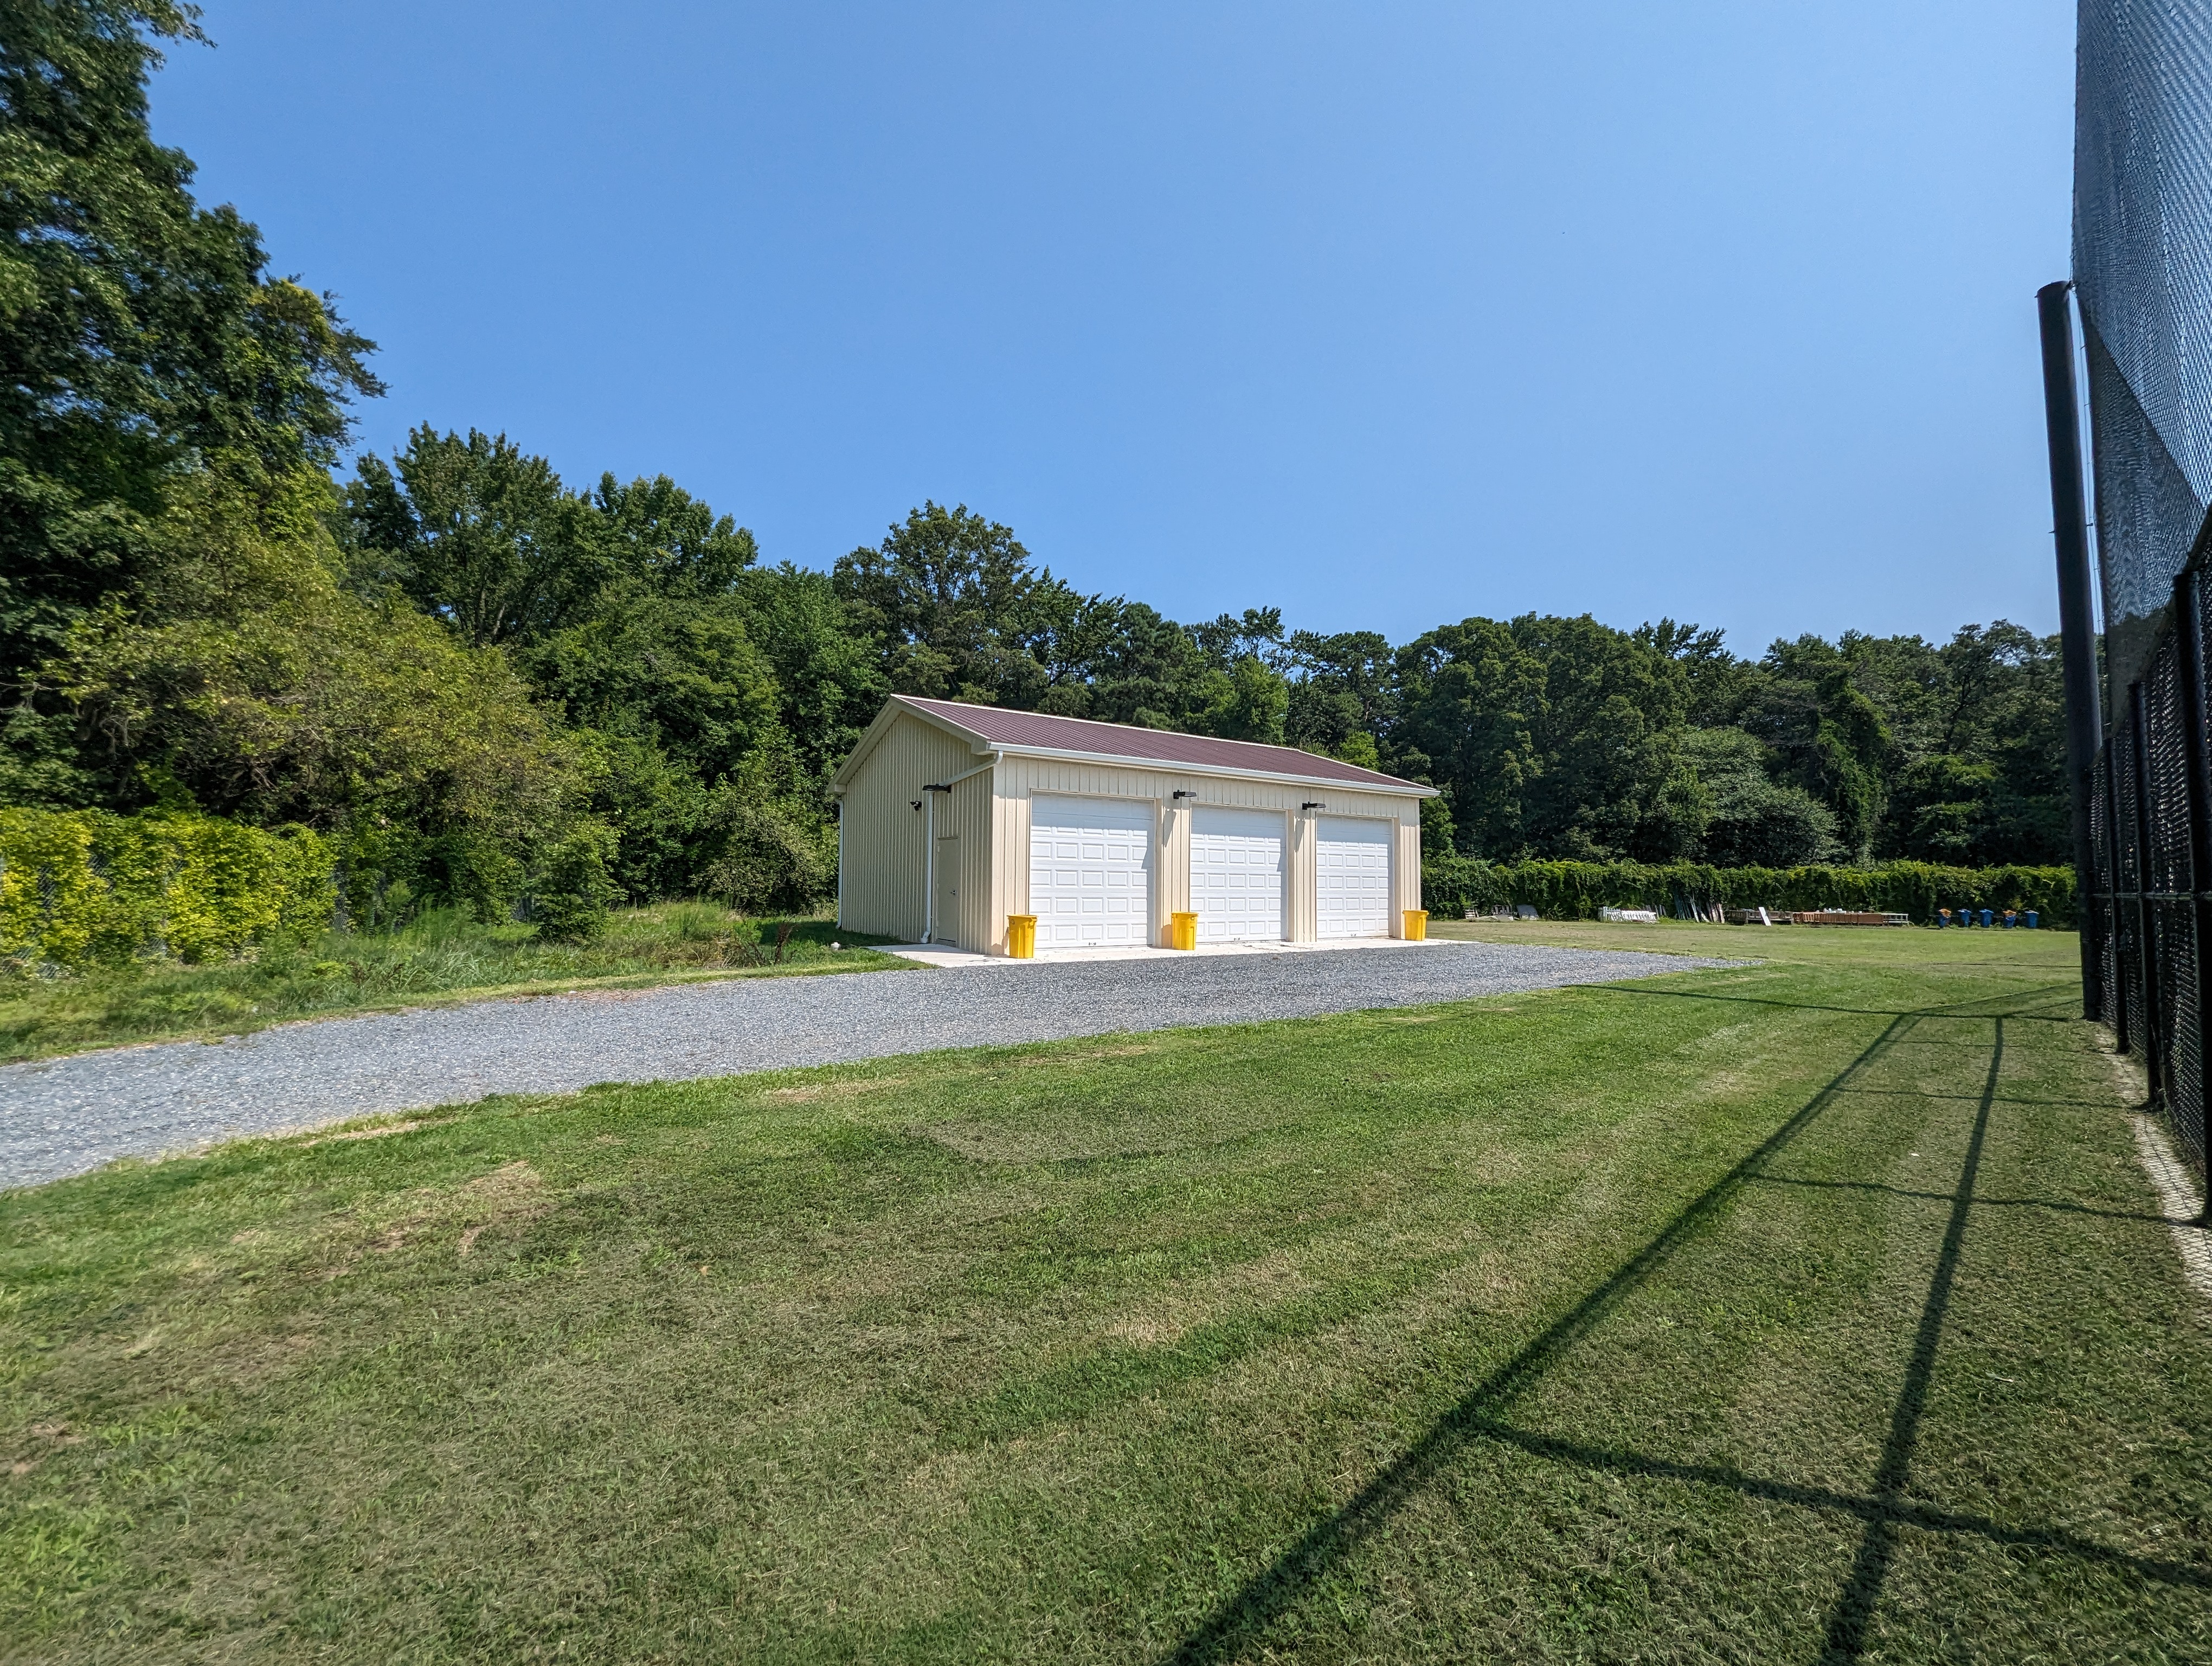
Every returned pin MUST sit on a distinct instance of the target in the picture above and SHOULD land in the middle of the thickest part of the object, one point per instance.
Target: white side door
(1091, 871)
(1237, 874)
(1351, 877)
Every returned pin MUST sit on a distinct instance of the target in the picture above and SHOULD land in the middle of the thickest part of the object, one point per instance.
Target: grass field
(441, 957)
(1813, 1310)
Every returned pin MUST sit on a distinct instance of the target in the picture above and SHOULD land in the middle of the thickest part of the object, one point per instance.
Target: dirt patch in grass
(851, 1088)
(382, 1131)
(509, 1194)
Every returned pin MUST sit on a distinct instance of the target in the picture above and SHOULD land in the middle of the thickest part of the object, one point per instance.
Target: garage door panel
(1091, 871)
(1351, 877)
(1237, 874)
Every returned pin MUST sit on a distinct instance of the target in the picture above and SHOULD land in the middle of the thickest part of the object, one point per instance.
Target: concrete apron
(939, 954)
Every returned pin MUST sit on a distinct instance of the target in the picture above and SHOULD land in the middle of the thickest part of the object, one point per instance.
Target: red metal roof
(1077, 734)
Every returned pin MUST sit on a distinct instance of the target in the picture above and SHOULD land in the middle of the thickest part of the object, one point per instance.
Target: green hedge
(84, 888)
(1576, 890)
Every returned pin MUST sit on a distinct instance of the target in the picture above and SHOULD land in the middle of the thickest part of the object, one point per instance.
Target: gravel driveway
(63, 1116)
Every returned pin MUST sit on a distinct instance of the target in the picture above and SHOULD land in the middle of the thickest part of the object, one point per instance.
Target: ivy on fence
(80, 889)
(1576, 890)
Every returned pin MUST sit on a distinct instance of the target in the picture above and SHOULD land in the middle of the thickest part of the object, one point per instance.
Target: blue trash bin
(2031, 919)
(1988, 914)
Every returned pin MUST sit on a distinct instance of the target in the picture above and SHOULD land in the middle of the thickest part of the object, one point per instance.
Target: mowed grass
(441, 957)
(1814, 1311)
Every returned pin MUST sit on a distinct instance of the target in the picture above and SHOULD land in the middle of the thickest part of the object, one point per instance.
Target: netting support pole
(2077, 620)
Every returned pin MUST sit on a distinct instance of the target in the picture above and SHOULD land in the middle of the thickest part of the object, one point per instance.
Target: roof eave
(1408, 789)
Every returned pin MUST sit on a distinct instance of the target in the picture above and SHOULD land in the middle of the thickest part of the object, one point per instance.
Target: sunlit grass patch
(1815, 1309)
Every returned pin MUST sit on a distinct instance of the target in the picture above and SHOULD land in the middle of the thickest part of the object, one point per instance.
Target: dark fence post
(2189, 620)
(2117, 1014)
(2153, 1042)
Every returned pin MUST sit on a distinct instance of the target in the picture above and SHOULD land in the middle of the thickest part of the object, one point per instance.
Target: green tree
(657, 534)
(1603, 728)
(1147, 670)
(1248, 702)
(827, 671)
(280, 697)
(141, 340)
(949, 597)
(1469, 695)
(676, 699)
(479, 534)
(1342, 694)
(1752, 820)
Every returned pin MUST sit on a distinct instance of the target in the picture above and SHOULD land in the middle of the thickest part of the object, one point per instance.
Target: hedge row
(1576, 890)
(83, 888)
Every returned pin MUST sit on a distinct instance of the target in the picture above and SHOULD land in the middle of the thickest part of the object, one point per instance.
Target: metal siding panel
(1405, 876)
(971, 802)
(885, 863)
(1304, 924)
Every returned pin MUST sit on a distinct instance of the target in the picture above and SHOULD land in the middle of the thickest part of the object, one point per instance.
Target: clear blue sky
(1386, 314)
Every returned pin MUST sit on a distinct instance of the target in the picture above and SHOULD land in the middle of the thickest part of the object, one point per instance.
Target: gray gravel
(63, 1116)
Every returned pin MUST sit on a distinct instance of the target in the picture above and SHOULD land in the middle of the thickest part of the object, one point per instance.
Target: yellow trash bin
(1417, 925)
(1021, 936)
(1182, 931)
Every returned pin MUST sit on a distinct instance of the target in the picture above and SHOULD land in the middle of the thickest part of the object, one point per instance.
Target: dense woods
(493, 688)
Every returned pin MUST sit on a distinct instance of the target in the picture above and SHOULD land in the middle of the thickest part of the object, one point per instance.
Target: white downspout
(841, 864)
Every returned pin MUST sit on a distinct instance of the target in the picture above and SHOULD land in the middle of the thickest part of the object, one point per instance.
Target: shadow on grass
(1979, 1202)
(1901, 1512)
(1854, 1610)
(1949, 1011)
(1239, 1622)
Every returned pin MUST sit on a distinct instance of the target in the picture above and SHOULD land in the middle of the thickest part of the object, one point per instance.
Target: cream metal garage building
(953, 817)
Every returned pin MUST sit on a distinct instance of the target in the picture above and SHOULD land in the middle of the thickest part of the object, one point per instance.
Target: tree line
(501, 691)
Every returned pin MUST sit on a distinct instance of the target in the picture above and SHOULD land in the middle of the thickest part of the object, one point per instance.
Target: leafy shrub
(84, 888)
(574, 886)
(1576, 890)
(770, 857)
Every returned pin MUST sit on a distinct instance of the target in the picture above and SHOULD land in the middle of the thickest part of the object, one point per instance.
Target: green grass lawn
(1813, 1310)
(441, 957)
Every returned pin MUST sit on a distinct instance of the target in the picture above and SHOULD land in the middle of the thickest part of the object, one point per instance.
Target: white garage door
(1237, 875)
(1091, 870)
(1353, 877)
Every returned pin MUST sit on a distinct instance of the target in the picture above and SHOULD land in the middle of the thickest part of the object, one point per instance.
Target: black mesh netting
(2143, 271)
(2142, 275)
